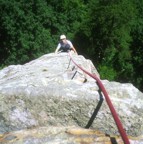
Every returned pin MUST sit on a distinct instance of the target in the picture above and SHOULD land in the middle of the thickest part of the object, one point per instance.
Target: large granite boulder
(52, 91)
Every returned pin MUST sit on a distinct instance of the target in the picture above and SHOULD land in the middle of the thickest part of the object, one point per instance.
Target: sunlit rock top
(52, 91)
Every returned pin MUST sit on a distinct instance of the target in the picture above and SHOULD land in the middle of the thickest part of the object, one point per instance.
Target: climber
(65, 45)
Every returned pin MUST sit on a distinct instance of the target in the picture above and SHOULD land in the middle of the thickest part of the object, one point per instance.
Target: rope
(111, 107)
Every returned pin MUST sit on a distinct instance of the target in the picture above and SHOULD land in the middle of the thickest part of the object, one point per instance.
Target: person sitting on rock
(65, 45)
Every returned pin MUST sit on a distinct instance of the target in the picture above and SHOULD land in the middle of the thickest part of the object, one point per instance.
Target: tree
(108, 26)
(31, 28)
(137, 46)
(24, 36)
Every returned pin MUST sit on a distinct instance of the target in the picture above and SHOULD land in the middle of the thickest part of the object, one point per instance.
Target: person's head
(63, 38)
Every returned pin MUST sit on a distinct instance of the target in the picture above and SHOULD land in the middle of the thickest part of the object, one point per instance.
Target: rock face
(62, 135)
(51, 91)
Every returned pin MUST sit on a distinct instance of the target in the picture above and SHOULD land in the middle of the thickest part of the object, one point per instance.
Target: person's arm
(74, 50)
(58, 47)
(72, 47)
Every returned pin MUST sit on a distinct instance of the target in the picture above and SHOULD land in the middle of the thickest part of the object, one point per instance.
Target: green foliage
(137, 46)
(32, 28)
(112, 32)
(24, 36)
(107, 72)
(109, 32)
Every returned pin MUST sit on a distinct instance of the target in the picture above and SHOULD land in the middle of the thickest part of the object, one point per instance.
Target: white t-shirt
(68, 42)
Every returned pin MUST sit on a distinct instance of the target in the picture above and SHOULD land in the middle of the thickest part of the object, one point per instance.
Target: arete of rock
(50, 91)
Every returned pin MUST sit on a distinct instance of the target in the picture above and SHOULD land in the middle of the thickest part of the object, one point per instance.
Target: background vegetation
(109, 32)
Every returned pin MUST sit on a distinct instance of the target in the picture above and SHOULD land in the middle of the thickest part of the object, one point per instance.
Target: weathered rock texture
(44, 92)
(62, 135)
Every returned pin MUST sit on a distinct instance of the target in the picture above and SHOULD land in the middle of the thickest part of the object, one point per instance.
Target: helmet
(62, 37)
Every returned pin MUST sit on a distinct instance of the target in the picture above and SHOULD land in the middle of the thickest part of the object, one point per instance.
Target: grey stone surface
(42, 93)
